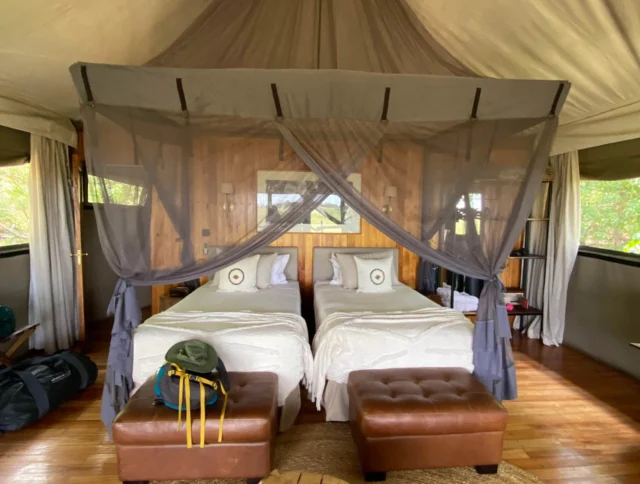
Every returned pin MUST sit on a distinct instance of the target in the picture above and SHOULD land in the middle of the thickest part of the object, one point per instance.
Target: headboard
(322, 269)
(291, 270)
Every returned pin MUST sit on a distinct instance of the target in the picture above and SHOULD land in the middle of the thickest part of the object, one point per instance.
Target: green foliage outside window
(610, 217)
(14, 205)
(115, 192)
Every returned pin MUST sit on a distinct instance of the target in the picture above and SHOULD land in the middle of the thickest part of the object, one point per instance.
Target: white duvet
(246, 341)
(427, 337)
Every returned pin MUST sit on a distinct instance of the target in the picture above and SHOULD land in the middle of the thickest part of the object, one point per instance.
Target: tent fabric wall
(359, 35)
(593, 43)
(14, 147)
(616, 161)
(36, 120)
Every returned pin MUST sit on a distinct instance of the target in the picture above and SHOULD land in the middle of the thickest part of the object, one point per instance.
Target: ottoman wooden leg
(492, 469)
(375, 476)
(135, 482)
(254, 480)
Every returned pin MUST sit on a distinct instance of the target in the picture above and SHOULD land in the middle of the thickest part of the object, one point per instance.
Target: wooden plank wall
(243, 158)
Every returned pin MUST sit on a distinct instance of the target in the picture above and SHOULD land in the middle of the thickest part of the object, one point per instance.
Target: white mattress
(329, 299)
(281, 298)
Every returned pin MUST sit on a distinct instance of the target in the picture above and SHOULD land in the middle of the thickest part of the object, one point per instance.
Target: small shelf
(516, 311)
(531, 256)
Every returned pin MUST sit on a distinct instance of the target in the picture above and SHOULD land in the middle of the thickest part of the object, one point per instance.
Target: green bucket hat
(193, 355)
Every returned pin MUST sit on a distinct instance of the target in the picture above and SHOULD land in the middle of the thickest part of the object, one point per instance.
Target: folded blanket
(461, 300)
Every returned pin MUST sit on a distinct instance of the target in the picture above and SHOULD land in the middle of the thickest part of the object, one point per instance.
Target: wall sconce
(390, 193)
(227, 190)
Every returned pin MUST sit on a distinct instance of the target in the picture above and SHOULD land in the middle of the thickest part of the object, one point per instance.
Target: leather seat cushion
(250, 416)
(422, 401)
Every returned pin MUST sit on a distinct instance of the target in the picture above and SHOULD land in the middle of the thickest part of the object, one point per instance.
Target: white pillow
(241, 276)
(265, 267)
(337, 275)
(374, 275)
(277, 272)
(348, 272)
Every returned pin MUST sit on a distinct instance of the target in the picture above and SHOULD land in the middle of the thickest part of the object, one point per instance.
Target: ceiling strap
(556, 99)
(183, 99)
(476, 101)
(87, 86)
(276, 100)
(385, 104)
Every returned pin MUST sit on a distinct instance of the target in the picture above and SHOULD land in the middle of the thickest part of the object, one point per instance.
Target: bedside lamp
(227, 190)
(390, 193)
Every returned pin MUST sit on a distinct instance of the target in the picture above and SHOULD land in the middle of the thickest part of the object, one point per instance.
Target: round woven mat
(328, 449)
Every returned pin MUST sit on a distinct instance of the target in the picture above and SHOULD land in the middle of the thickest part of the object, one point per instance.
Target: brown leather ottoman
(420, 418)
(150, 446)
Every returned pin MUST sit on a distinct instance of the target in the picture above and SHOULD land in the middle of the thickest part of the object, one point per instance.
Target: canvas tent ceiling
(595, 44)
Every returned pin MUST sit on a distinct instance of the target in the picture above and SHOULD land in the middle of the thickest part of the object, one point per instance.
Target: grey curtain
(451, 232)
(465, 187)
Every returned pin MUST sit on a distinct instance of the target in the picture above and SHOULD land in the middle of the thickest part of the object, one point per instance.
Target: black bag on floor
(31, 388)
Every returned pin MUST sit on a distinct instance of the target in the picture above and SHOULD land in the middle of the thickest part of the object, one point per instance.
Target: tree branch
(14, 232)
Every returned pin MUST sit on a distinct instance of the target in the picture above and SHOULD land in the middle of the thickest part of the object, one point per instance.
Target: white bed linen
(329, 298)
(399, 329)
(260, 331)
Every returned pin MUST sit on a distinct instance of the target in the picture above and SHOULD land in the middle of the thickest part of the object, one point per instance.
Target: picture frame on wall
(278, 189)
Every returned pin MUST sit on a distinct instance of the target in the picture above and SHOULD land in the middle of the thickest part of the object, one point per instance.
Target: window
(475, 199)
(14, 205)
(117, 192)
(610, 217)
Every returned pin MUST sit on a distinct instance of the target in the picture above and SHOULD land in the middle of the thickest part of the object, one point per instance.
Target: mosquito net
(194, 170)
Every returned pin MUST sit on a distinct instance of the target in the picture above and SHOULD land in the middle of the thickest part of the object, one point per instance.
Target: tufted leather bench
(420, 418)
(150, 446)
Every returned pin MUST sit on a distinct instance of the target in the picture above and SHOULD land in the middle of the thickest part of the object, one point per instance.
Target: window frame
(84, 191)
(13, 250)
(615, 256)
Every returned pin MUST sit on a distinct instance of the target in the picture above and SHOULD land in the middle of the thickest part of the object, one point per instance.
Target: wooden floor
(575, 421)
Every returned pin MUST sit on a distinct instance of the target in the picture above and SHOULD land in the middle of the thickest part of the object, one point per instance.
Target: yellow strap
(188, 403)
(224, 409)
(180, 391)
(202, 416)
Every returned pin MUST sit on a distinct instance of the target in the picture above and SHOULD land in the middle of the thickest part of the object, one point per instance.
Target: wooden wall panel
(243, 158)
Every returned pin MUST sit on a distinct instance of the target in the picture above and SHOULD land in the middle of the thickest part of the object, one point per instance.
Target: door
(77, 163)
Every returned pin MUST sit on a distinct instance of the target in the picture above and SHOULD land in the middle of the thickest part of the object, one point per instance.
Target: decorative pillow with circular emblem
(241, 276)
(374, 275)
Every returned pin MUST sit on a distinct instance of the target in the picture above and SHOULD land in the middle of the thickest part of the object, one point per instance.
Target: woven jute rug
(328, 449)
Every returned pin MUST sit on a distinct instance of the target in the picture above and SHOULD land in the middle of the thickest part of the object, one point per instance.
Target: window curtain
(52, 295)
(562, 248)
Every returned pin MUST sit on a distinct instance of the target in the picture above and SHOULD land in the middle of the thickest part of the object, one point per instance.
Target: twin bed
(264, 331)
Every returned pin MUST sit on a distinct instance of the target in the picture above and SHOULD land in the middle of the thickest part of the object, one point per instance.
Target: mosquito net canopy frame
(163, 146)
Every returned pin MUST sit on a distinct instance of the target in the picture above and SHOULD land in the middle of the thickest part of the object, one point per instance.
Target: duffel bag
(31, 388)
